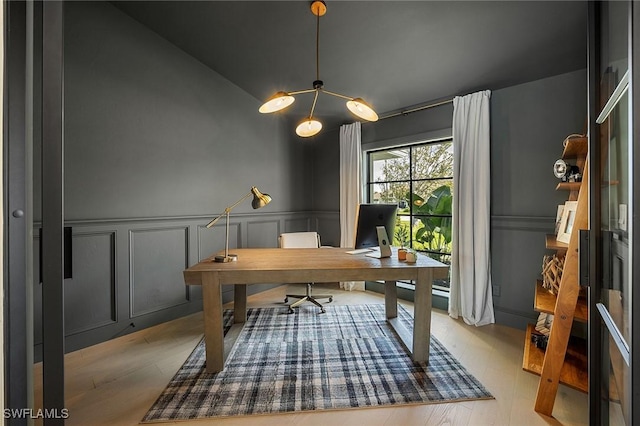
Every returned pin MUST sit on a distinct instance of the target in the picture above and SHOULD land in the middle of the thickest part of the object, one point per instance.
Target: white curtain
(471, 296)
(350, 189)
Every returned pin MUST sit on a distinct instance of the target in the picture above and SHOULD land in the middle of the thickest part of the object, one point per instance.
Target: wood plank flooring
(115, 382)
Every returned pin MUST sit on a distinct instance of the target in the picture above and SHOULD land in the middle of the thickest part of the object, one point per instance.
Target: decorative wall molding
(188, 245)
(327, 224)
(262, 232)
(150, 271)
(203, 218)
(113, 288)
(544, 224)
(197, 242)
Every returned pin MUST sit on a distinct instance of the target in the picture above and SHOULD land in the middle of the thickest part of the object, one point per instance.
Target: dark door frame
(19, 30)
(634, 54)
(597, 411)
(53, 210)
(17, 367)
(595, 236)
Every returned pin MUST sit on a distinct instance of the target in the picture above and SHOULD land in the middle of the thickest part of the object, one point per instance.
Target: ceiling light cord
(318, 46)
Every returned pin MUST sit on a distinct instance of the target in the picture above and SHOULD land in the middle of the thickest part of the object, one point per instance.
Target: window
(419, 178)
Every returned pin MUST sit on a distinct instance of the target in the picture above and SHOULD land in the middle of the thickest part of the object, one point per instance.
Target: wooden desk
(274, 265)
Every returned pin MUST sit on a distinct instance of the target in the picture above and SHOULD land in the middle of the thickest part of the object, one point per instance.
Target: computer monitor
(370, 216)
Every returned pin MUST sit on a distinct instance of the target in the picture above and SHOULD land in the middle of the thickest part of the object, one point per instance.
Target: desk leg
(239, 303)
(391, 299)
(213, 331)
(422, 315)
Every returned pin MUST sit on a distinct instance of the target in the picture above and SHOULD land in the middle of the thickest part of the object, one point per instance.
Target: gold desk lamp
(259, 200)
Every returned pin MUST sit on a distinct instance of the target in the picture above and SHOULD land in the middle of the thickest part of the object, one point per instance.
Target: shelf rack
(565, 358)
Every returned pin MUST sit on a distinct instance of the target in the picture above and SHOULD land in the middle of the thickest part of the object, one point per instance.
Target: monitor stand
(383, 243)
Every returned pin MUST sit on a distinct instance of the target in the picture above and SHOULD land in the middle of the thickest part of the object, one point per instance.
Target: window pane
(402, 233)
(419, 178)
(432, 233)
(389, 192)
(614, 39)
(426, 188)
(431, 208)
(433, 160)
(389, 165)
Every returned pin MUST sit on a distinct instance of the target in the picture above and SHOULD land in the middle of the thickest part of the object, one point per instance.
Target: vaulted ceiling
(394, 54)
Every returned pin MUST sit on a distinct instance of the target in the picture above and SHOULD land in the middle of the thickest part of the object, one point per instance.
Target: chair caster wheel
(286, 299)
(291, 311)
(322, 311)
(330, 299)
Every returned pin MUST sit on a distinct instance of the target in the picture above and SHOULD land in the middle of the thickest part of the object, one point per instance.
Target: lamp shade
(363, 110)
(277, 102)
(259, 199)
(308, 127)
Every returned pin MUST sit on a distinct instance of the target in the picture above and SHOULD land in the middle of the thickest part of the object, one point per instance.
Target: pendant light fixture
(310, 125)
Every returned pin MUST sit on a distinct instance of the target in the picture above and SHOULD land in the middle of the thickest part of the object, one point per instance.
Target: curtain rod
(416, 109)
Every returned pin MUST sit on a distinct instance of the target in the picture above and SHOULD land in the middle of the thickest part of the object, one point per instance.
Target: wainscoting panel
(127, 273)
(90, 295)
(328, 226)
(157, 259)
(263, 233)
(517, 248)
(92, 290)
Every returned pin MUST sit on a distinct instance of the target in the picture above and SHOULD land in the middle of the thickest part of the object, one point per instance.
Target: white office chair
(303, 240)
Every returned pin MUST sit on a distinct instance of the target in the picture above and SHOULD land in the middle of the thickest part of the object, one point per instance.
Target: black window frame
(442, 285)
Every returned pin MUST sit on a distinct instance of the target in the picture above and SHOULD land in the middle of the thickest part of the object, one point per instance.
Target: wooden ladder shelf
(565, 358)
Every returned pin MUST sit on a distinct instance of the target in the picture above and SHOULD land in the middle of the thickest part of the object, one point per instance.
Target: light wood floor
(116, 382)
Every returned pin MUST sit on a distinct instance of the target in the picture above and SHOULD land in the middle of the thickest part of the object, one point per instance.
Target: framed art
(566, 223)
(543, 325)
(559, 217)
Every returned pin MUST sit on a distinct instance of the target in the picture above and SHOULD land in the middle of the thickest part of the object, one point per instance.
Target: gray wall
(155, 145)
(528, 124)
(151, 132)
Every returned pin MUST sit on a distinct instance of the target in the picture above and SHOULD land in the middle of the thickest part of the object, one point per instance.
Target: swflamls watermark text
(30, 413)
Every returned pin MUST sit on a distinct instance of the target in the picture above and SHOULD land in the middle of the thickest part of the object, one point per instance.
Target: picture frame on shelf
(543, 325)
(559, 218)
(566, 223)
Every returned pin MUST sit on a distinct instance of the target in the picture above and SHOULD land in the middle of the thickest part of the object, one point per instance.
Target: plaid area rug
(346, 358)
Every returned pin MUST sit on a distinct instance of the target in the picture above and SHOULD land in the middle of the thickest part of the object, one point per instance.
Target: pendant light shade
(277, 102)
(363, 110)
(308, 127)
